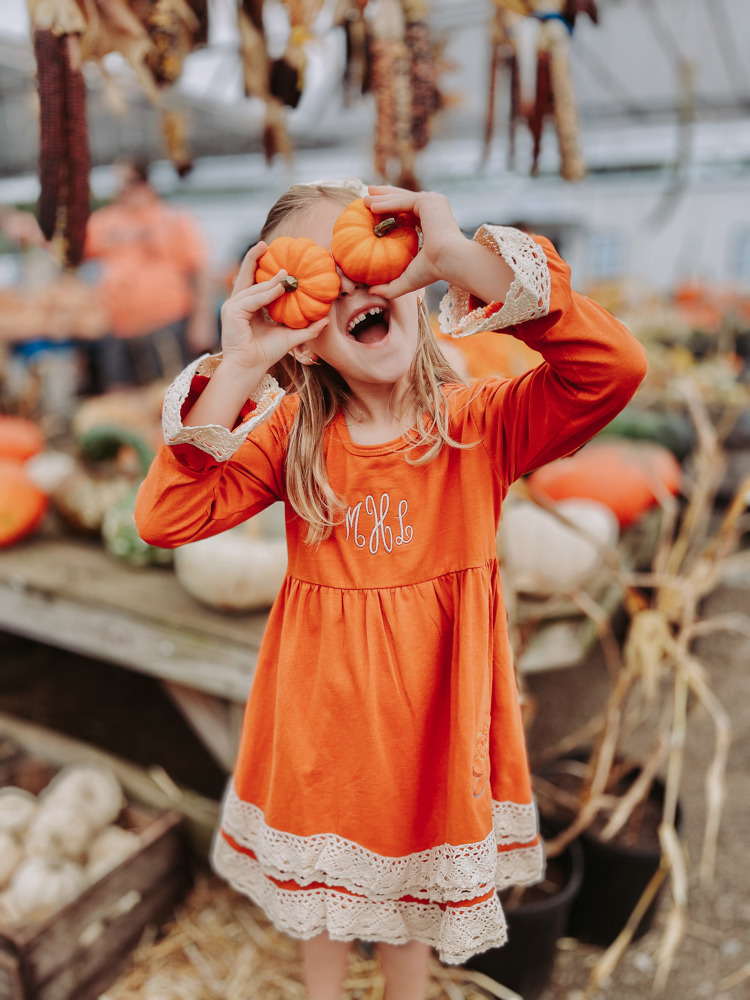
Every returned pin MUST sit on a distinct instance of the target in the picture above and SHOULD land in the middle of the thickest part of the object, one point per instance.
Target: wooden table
(72, 594)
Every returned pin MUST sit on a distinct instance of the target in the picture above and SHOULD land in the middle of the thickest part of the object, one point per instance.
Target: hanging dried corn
(76, 175)
(391, 84)
(174, 129)
(426, 99)
(501, 52)
(256, 78)
(349, 15)
(64, 199)
(52, 139)
(173, 27)
(288, 72)
(541, 86)
(554, 41)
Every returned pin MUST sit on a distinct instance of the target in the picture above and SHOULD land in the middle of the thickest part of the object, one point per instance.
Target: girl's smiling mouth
(369, 326)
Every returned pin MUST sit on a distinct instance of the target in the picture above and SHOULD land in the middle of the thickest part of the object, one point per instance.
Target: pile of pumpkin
(93, 491)
(55, 844)
(572, 511)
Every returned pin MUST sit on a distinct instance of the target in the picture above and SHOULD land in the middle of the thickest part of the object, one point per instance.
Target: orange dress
(382, 789)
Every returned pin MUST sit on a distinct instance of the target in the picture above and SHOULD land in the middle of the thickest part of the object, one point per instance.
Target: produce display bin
(79, 950)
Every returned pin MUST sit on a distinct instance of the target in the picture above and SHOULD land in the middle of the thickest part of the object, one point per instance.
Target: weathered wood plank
(82, 570)
(74, 596)
(86, 976)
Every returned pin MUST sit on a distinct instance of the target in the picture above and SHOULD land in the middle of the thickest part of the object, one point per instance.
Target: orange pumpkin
(312, 283)
(373, 249)
(20, 438)
(22, 503)
(627, 476)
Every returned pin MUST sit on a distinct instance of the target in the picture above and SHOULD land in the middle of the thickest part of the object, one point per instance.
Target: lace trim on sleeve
(213, 438)
(527, 298)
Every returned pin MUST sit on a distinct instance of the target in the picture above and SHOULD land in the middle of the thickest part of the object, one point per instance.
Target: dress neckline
(395, 444)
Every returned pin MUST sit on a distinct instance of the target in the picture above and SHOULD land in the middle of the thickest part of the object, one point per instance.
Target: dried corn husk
(657, 676)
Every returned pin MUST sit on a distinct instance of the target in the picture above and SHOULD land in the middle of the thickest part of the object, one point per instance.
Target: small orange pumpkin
(20, 438)
(22, 503)
(312, 283)
(373, 249)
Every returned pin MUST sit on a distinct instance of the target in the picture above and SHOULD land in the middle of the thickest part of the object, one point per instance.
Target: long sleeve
(205, 480)
(592, 363)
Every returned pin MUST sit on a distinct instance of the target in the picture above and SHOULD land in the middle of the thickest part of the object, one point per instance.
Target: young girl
(381, 790)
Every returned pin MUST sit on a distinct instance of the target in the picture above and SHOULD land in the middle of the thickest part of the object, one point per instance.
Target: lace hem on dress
(447, 872)
(457, 930)
(527, 298)
(214, 439)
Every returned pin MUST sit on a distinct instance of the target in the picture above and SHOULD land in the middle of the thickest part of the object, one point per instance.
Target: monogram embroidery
(381, 531)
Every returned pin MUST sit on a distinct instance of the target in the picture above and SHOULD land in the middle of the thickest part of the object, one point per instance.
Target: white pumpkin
(111, 846)
(17, 808)
(544, 555)
(91, 789)
(39, 888)
(232, 571)
(59, 830)
(10, 856)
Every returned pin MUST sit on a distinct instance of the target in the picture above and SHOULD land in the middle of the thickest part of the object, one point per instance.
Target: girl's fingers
(385, 199)
(246, 274)
(297, 337)
(251, 299)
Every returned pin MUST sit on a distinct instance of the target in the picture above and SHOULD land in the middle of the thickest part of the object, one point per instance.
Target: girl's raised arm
(445, 254)
(250, 345)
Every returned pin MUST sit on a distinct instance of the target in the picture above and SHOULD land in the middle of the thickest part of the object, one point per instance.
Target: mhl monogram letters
(380, 529)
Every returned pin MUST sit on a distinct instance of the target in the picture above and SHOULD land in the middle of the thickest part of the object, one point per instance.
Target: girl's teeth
(368, 312)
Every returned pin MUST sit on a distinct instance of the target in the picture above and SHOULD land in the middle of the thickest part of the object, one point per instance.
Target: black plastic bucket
(525, 962)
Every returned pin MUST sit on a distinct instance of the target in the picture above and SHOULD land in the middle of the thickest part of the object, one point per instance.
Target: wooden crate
(79, 950)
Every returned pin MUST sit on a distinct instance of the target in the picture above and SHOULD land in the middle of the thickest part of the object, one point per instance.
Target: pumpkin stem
(384, 226)
(290, 283)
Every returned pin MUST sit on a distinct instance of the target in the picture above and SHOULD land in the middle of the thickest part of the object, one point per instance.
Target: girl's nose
(347, 285)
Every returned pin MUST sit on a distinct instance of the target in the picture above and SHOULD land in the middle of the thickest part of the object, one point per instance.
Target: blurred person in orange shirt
(154, 285)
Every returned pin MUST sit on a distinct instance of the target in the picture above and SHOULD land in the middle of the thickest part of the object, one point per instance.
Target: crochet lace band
(456, 930)
(527, 298)
(213, 438)
(445, 896)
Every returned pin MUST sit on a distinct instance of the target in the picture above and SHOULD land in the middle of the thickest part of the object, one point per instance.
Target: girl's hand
(443, 243)
(249, 341)
(446, 254)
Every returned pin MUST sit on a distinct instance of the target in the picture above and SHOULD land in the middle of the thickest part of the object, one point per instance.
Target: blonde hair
(323, 392)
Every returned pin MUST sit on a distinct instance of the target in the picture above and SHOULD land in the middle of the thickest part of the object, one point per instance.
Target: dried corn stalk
(656, 676)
